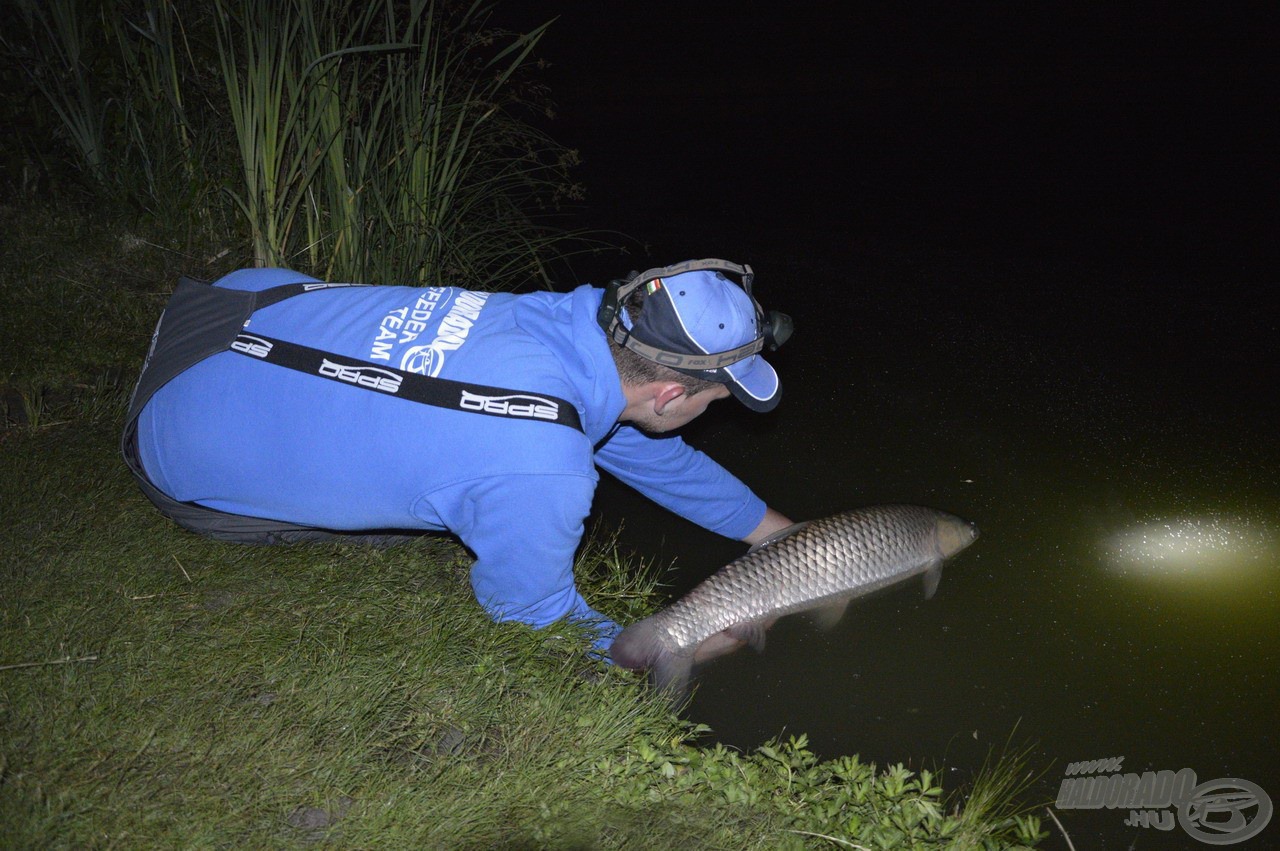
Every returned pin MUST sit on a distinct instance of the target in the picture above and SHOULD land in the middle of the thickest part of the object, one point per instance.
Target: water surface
(1124, 598)
(1028, 249)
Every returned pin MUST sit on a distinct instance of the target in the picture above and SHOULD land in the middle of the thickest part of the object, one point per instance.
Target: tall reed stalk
(276, 156)
(378, 140)
(156, 61)
(384, 141)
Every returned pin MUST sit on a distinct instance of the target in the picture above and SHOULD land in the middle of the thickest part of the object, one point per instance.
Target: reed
(382, 141)
(156, 60)
(54, 44)
(388, 141)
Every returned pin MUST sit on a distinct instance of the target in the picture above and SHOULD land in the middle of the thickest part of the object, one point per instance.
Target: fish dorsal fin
(779, 535)
(932, 576)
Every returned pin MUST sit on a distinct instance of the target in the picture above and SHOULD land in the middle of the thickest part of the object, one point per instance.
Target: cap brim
(754, 383)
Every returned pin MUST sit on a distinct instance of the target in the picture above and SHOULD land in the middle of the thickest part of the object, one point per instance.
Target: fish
(819, 565)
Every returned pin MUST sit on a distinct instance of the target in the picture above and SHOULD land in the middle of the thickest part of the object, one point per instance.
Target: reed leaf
(384, 141)
(53, 44)
(377, 141)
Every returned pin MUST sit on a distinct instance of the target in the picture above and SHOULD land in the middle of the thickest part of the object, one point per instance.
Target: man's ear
(668, 392)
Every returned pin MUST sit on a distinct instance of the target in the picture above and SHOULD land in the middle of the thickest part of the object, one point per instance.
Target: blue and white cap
(704, 313)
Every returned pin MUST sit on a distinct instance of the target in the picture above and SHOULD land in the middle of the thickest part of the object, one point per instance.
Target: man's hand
(772, 522)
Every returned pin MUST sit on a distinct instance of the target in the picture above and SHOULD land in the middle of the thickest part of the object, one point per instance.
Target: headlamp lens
(779, 329)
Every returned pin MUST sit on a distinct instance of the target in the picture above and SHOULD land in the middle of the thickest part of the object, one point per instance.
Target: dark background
(1030, 250)
(1073, 134)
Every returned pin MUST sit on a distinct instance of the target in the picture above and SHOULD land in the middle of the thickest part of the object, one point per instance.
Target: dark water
(1054, 447)
(1029, 258)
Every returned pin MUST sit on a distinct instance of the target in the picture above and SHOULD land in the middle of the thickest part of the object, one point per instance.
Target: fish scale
(823, 563)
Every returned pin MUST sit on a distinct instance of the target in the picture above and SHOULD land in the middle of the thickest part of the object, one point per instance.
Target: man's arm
(772, 522)
(524, 530)
(683, 480)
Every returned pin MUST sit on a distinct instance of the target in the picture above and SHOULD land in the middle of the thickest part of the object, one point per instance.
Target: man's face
(680, 411)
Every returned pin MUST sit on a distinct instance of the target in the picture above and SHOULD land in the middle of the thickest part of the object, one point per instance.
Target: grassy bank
(160, 690)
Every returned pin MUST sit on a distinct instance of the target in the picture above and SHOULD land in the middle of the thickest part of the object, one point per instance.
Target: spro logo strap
(438, 392)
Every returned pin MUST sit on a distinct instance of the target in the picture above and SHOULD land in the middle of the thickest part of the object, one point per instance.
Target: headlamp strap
(677, 360)
(617, 292)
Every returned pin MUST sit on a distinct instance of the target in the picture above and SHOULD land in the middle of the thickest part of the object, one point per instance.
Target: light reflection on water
(1216, 548)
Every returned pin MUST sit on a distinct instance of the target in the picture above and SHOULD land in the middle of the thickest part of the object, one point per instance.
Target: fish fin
(779, 535)
(670, 675)
(751, 633)
(826, 617)
(715, 646)
(932, 576)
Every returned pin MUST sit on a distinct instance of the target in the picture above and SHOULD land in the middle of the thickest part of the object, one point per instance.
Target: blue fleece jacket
(252, 438)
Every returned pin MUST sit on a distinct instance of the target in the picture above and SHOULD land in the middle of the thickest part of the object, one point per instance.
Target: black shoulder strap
(427, 390)
(274, 295)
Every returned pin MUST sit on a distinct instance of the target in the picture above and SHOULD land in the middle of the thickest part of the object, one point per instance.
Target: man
(275, 408)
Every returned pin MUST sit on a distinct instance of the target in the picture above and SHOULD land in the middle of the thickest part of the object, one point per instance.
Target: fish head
(954, 534)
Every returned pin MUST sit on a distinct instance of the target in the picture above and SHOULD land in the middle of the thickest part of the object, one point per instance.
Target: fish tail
(642, 645)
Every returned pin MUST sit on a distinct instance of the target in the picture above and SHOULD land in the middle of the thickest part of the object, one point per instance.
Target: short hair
(635, 370)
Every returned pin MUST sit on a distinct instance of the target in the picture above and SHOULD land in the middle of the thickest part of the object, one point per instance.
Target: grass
(246, 696)
(161, 690)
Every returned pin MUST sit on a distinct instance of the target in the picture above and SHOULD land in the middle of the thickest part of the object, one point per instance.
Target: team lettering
(458, 321)
(405, 324)
(450, 335)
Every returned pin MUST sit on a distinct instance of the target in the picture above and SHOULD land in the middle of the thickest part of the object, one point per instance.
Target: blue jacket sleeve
(683, 480)
(524, 530)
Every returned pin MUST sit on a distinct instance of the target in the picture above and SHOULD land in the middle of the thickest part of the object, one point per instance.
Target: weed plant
(388, 141)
